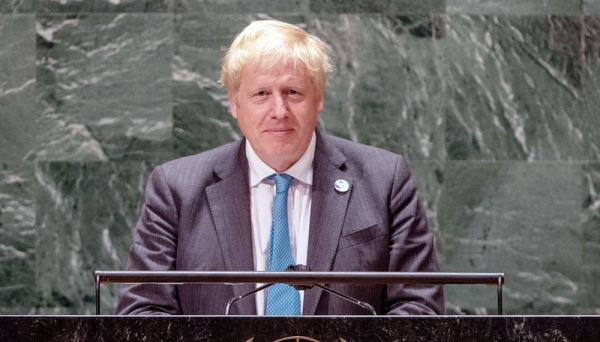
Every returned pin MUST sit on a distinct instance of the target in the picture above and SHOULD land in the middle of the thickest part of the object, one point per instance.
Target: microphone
(302, 268)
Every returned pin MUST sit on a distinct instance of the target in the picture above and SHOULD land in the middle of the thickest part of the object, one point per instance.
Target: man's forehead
(263, 77)
(276, 69)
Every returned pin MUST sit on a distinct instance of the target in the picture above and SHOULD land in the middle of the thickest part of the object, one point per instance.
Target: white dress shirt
(262, 192)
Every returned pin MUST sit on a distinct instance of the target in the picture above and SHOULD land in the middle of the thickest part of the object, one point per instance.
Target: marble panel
(85, 217)
(104, 85)
(378, 6)
(17, 239)
(430, 181)
(17, 87)
(591, 64)
(17, 6)
(523, 219)
(201, 115)
(104, 6)
(385, 89)
(516, 89)
(590, 237)
(591, 6)
(514, 7)
(241, 6)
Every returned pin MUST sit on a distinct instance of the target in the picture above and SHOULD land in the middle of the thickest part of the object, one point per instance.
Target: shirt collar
(302, 170)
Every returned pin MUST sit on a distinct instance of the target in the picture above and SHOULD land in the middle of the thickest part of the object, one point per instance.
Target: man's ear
(233, 106)
(320, 106)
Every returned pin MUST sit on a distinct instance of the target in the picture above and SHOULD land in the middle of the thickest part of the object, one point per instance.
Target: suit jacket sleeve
(411, 249)
(154, 248)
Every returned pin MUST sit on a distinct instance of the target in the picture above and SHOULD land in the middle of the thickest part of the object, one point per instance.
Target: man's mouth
(279, 130)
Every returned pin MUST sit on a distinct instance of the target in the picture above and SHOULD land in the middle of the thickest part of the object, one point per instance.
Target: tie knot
(282, 181)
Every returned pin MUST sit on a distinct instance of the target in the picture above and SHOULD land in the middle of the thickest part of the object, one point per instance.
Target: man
(350, 207)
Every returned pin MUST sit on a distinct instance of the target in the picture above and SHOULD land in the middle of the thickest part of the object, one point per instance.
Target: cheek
(247, 124)
(309, 117)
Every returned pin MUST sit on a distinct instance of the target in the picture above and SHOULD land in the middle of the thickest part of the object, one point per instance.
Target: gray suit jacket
(197, 217)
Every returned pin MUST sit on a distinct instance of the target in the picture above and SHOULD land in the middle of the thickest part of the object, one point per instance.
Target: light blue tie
(282, 299)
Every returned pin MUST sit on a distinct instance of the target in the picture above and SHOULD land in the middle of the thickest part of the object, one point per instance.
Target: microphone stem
(235, 299)
(364, 305)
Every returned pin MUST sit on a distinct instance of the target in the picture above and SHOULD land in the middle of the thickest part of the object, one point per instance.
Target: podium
(299, 328)
(309, 328)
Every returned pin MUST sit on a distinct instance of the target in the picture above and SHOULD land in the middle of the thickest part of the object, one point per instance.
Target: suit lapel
(328, 210)
(229, 201)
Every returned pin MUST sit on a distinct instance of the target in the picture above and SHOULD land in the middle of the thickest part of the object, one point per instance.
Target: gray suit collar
(229, 201)
(328, 210)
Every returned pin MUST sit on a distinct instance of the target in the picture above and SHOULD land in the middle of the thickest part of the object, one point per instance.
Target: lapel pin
(341, 185)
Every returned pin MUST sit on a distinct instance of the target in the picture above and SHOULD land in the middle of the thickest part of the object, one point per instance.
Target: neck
(280, 165)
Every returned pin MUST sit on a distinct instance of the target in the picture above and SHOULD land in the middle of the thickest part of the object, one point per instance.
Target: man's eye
(261, 93)
(293, 92)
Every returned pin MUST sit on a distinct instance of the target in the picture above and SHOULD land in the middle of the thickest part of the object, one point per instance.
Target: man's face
(277, 112)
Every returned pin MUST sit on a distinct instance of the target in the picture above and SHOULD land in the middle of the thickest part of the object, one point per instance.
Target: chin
(284, 153)
(281, 146)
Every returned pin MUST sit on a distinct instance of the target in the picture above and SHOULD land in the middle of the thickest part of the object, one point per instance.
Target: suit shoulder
(370, 161)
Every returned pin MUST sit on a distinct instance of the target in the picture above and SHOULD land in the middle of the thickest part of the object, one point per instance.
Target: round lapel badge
(341, 185)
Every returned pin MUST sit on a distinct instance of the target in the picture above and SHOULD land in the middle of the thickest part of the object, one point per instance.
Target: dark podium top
(308, 328)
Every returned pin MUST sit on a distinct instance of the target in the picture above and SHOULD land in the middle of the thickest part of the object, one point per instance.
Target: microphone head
(299, 268)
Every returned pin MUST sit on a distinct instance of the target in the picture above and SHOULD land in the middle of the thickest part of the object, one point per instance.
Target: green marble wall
(494, 102)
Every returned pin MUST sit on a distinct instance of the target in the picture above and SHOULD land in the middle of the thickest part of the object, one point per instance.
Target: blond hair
(273, 44)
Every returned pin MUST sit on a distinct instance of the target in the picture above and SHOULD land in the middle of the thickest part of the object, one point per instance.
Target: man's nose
(280, 109)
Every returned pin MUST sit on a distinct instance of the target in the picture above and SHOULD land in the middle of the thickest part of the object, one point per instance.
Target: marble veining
(378, 6)
(104, 86)
(17, 6)
(519, 7)
(104, 6)
(452, 328)
(84, 220)
(387, 103)
(590, 238)
(17, 87)
(241, 6)
(498, 103)
(591, 6)
(487, 224)
(17, 239)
